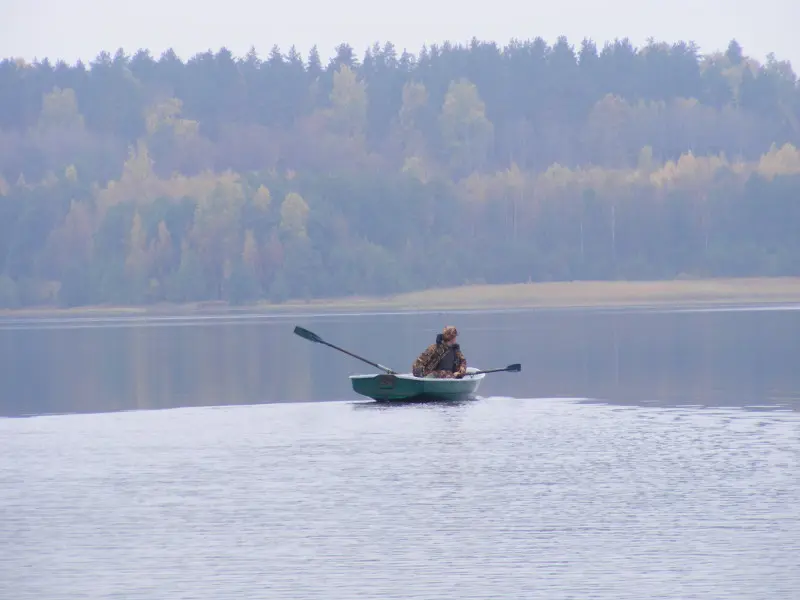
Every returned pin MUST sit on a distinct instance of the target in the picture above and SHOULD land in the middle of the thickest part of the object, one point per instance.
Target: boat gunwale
(409, 377)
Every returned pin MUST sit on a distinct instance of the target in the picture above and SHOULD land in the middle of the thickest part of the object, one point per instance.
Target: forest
(138, 179)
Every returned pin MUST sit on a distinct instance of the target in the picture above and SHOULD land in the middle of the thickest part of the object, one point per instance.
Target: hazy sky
(72, 29)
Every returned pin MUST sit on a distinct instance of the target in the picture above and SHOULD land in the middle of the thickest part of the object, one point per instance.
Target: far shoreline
(676, 293)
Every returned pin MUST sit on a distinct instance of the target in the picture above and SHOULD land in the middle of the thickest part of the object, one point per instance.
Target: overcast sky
(72, 29)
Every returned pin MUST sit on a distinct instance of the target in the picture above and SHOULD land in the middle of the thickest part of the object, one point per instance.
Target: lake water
(638, 455)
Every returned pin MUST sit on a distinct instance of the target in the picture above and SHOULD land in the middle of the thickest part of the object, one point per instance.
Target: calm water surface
(638, 455)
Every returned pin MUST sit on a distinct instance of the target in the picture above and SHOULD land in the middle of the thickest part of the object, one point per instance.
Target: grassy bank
(528, 295)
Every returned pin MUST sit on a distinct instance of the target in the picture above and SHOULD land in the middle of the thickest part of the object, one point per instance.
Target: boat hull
(407, 387)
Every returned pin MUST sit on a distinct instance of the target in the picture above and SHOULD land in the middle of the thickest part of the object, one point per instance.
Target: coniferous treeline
(142, 180)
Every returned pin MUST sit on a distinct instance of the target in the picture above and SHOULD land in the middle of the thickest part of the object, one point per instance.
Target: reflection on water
(637, 456)
(734, 358)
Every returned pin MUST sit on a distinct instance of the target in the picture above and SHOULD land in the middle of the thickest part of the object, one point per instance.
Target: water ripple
(498, 498)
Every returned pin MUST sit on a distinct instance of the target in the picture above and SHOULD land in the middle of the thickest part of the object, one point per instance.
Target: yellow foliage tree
(71, 174)
(200, 187)
(72, 242)
(229, 190)
(783, 161)
(554, 178)
(416, 167)
(216, 233)
(262, 198)
(415, 98)
(167, 115)
(294, 214)
(349, 100)
(408, 128)
(465, 129)
(162, 114)
(138, 182)
(60, 109)
(689, 172)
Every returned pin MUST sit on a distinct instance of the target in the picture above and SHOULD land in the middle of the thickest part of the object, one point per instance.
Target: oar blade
(515, 368)
(308, 335)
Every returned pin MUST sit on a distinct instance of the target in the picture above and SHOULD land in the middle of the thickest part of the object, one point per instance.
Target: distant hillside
(134, 180)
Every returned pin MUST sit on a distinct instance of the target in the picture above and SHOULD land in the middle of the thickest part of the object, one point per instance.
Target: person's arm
(420, 367)
(461, 362)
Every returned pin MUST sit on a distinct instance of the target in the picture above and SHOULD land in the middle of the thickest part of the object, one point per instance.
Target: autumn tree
(410, 122)
(348, 103)
(294, 215)
(466, 132)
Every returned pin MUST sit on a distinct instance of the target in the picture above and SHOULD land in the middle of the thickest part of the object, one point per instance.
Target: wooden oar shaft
(510, 368)
(369, 362)
(313, 337)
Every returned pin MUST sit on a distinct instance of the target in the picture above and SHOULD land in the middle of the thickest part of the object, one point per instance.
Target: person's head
(449, 335)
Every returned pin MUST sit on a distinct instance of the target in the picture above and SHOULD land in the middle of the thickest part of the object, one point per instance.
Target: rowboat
(392, 386)
(405, 386)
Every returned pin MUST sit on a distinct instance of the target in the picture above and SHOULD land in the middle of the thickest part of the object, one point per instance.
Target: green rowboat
(393, 386)
(407, 387)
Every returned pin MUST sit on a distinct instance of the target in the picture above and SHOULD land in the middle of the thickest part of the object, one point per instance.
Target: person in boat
(443, 359)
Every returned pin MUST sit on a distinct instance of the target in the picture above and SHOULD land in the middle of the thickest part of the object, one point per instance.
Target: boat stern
(385, 386)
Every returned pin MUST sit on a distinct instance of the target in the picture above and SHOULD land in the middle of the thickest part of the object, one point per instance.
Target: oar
(313, 337)
(515, 368)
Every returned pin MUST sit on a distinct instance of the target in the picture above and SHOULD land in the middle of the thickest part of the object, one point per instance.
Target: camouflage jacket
(430, 357)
